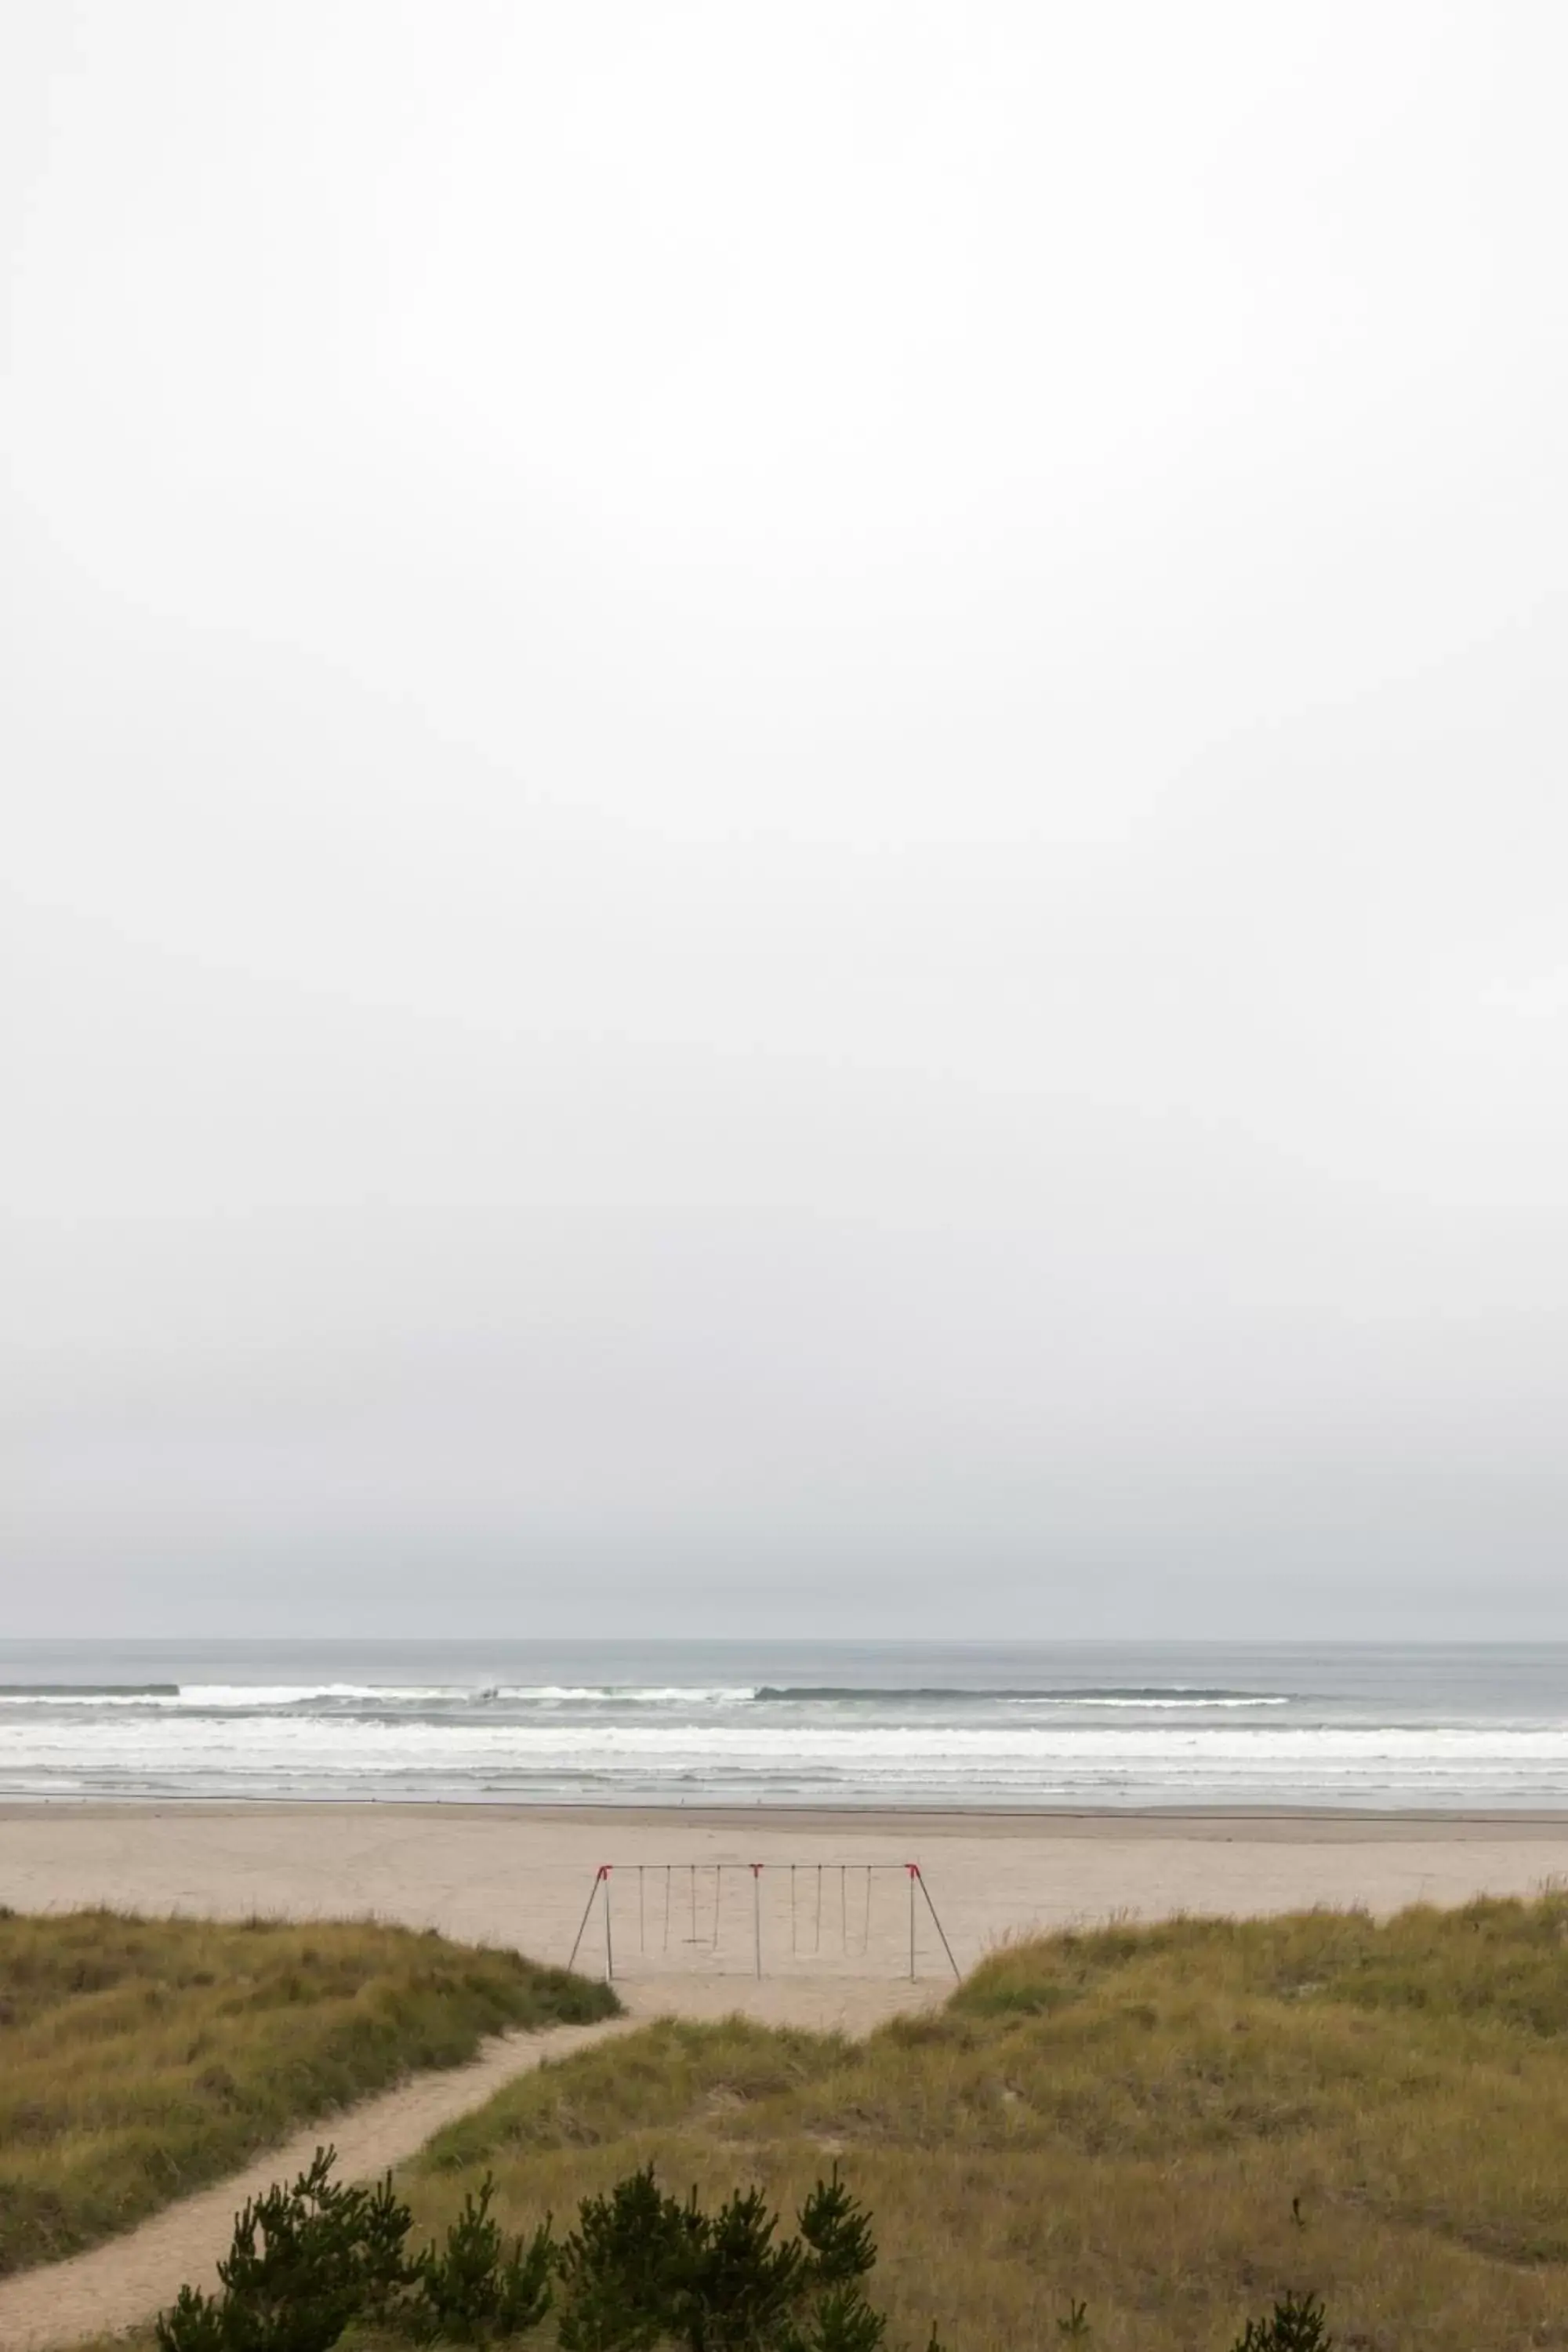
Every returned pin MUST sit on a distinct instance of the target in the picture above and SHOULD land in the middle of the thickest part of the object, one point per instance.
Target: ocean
(707, 1723)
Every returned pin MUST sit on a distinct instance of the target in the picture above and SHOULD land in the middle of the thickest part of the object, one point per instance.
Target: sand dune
(115, 2286)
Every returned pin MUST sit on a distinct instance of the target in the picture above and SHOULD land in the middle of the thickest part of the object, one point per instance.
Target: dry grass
(1126, 2116)
(140, 2059)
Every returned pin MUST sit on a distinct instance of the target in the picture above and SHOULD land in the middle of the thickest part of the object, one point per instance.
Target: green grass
(142, 2058)
(1127, 2116)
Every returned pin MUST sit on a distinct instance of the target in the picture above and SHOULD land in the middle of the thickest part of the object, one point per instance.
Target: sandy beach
(829, 1909)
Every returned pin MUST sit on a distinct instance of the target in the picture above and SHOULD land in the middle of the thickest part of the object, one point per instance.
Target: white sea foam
(265, 1698)
(248, 1697)
(270, 1698)
(58, 1698)
(1013, 1763)
(622, 1695)
(1165, 1703)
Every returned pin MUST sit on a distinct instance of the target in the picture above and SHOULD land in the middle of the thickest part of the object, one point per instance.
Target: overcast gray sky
(785, 842)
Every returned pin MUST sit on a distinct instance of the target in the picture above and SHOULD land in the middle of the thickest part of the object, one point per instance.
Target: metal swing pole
(917, 1877)
(601, 1877)
(913, 1875)
(757, 1912)
(609, 1947)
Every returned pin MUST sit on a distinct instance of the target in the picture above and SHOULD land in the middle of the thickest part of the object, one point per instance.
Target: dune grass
(142, 2058)
(1170, 2123)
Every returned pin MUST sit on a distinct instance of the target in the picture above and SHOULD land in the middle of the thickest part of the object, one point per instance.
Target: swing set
(829, 1908)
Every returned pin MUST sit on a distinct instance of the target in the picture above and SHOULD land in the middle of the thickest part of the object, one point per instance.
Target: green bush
(640, 2269)
(477, 2289)
(1296, 2323)
(305, 2260)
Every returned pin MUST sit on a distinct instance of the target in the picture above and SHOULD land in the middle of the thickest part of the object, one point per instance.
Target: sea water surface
(1025, 1725)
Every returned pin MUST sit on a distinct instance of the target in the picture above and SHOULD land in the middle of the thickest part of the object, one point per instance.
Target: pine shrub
(640, 2269)
(305, 2260)
(1296, 2323)
(478, 2289)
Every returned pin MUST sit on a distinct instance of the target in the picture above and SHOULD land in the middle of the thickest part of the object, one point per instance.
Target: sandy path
(118, 2284)
(130, 2277)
